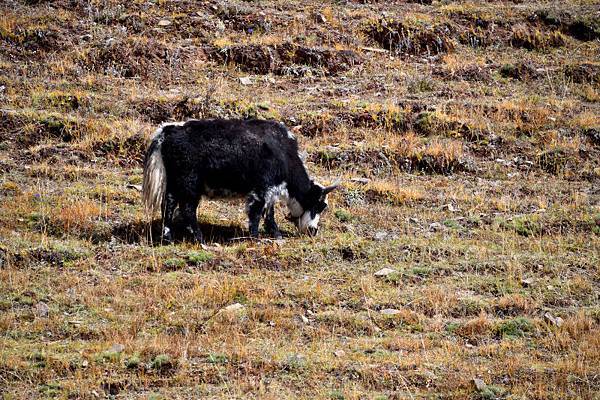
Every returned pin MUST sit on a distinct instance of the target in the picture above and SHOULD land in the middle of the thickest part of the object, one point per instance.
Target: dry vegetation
(474, 127)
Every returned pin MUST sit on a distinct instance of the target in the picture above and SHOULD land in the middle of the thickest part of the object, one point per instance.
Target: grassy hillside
(468, 137)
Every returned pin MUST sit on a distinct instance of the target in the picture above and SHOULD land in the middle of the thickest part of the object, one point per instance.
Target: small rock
(479, 384)
(246, 80)
(41, 310)
(364, 181)
(385, 272)
(136, 187)
(527, 282)
(339, 353)
(413, 220)
(390, 311)
(321, 18)
(234, 307)
(556, 321)
(435, 226)
(164, 22)
(450, 207)
(117, 348)
(381, 235)
(304, 319)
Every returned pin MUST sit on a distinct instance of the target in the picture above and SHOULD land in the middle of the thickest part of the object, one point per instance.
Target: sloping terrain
(467, 134)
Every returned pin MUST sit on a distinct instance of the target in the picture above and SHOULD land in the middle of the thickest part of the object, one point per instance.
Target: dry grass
(478, 143)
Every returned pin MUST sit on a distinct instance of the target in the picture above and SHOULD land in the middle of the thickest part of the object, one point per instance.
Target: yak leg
(255, 208)
(270, 224)
(167, 216)
(188, 211)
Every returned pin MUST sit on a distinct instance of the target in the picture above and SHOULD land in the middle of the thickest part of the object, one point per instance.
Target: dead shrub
(583, 72)
(534, 39)
(401, 38)
(475, 328)
(131, 57)
(286, 58)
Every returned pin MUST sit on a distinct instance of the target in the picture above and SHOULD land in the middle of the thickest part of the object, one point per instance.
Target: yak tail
(155, 175)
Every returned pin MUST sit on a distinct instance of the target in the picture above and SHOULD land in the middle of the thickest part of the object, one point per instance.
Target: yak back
(235, 155)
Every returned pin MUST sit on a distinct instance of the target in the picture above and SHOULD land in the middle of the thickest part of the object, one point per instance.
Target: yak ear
(330, 188)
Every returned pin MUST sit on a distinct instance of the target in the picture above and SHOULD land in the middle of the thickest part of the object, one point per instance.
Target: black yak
(218, 158)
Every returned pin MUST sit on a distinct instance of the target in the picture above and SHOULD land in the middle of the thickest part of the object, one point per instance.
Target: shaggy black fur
(220, 158)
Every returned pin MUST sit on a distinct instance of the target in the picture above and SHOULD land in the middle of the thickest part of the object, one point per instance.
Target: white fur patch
(307, 222)
(276, 193)
(164, 124)
(280, 193)
(166, 231)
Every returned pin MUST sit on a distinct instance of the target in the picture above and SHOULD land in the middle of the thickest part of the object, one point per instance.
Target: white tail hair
(155, 175)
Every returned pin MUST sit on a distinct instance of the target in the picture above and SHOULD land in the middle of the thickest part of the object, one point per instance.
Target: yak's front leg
(270, 224)
(255, 208)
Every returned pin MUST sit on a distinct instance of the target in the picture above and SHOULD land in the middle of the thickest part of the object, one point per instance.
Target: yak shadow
(135, 232)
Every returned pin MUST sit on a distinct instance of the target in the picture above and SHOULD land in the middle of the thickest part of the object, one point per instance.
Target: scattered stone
(450, 207)
(164, 22)
(390, 311)
(364, 181)
(135, 187)
(527, 282)
(556, 321)
(246, 80)
(435, 226)
(374, 50)
(41, 310)
(479, 384)
(320, 18)
(413, 220)
(117, 348)
(381, 235)
(304, 319)
(385, 272)
(234, 307)
(339, 353)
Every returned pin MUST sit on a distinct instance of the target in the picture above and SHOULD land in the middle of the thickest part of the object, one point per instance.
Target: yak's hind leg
(270, 224)
(167, 216)
(188, 211)
(254, 208)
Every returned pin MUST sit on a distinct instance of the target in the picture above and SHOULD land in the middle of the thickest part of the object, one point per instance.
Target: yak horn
(333, 186)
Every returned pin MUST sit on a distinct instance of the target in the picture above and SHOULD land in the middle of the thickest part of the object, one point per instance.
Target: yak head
(306, 216)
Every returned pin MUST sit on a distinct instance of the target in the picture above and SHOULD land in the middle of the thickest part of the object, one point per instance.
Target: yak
(220, 158)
